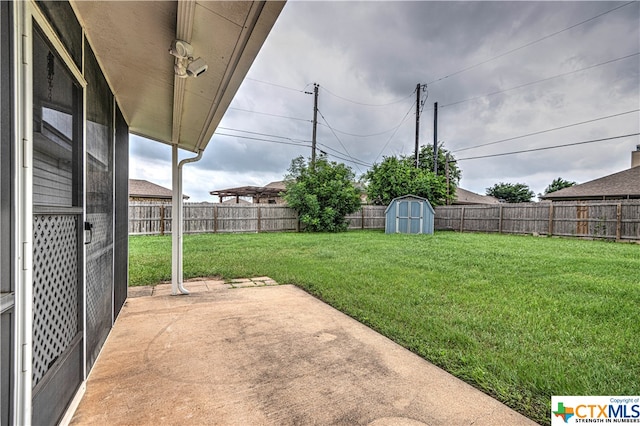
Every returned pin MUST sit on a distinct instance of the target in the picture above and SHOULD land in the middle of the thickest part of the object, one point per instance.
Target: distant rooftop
(139, 188)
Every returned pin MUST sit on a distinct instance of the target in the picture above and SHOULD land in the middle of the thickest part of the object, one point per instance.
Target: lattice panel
(55, 289)
(99, 279)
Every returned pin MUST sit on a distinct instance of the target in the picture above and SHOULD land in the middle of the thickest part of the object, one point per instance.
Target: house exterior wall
(64, 186)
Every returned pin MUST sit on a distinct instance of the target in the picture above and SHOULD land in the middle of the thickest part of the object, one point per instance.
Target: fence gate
(582, 227)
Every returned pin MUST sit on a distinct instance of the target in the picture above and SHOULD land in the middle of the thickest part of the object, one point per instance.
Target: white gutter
(177, 221)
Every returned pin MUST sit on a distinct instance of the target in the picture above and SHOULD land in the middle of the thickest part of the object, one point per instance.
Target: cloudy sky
(498, 70)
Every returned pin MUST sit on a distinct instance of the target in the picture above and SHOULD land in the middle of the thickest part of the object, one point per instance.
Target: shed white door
(409, 218)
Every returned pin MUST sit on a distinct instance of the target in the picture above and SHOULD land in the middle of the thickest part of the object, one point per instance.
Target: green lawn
(521, 318)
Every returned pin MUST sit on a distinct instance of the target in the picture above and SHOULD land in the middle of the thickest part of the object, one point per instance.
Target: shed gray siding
(409, 215)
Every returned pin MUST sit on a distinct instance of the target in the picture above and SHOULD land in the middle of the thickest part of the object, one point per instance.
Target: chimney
(635, 157)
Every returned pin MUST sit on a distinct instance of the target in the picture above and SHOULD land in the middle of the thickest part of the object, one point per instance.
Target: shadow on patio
(266, 355)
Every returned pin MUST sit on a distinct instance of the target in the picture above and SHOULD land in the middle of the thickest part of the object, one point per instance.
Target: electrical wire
(366, 104)
(361, 162)
(278, 85)
(264, 134)
(394, 133)
(545, 131)
(548, 147)
(530, 43)
(541, 80)
(263, 140)
(269, 114)
(294, 142)
(334, 134)
(372, 134)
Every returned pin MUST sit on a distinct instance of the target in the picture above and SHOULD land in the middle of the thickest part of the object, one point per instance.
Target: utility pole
(315, 123)
(446, 172)
(435, 138)
(418, 87)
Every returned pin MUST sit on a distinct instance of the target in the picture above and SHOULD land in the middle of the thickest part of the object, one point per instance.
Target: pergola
(256, 192)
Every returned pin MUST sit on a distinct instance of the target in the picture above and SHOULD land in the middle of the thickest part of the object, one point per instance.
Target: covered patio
(251, 352)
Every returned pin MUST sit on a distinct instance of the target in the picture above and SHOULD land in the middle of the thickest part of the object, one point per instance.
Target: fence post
(500, 222)
(618, 221)
(259, 217)
(550, 230)
(362, 213)
(462, 220)
(161, 219)
(215, 219)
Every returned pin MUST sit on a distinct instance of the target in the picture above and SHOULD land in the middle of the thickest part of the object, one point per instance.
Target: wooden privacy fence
(619, 220)
(155, 219)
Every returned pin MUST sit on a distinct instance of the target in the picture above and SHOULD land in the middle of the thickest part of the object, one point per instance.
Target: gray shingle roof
(467, 197)
(624, 184)
(145, 189)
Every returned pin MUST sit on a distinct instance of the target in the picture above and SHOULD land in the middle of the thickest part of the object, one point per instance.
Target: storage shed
(409, 214)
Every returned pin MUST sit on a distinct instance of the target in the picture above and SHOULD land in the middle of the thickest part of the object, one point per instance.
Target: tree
(511, 193)
(323, 193)
(557, 185)
(395, 177)
(425, 161)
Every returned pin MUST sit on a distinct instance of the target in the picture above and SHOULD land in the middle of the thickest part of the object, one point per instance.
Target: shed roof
(131, 40)
(624, 184)
(409, 196)
(145, 189)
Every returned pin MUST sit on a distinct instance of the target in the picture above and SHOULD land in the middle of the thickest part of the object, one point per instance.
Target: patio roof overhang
(131, 40)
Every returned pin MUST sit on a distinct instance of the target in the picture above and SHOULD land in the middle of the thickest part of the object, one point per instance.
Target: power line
(334, 134)
(366, 104)
(277, 85)
(394, 133)
(529, 44)
(264, 134)
(361, 162)
(263, 140)
(372, 134)
(549, 147)
(545, 131)
(542, 80)
(340, 155)
(269, 114)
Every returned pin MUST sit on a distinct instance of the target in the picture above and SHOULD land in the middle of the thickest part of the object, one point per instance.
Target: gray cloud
(376, 53)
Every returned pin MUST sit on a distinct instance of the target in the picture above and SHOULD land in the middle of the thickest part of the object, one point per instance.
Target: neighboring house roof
(278, 184)
(624, 184)
(464, 196)
(144, 189)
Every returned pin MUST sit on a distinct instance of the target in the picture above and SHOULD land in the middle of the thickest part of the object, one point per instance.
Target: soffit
(131, 41)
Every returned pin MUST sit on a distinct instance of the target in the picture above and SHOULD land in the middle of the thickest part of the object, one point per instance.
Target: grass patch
(521, 318)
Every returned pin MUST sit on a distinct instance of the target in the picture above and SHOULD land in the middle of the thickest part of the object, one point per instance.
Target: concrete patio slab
(267, 355)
